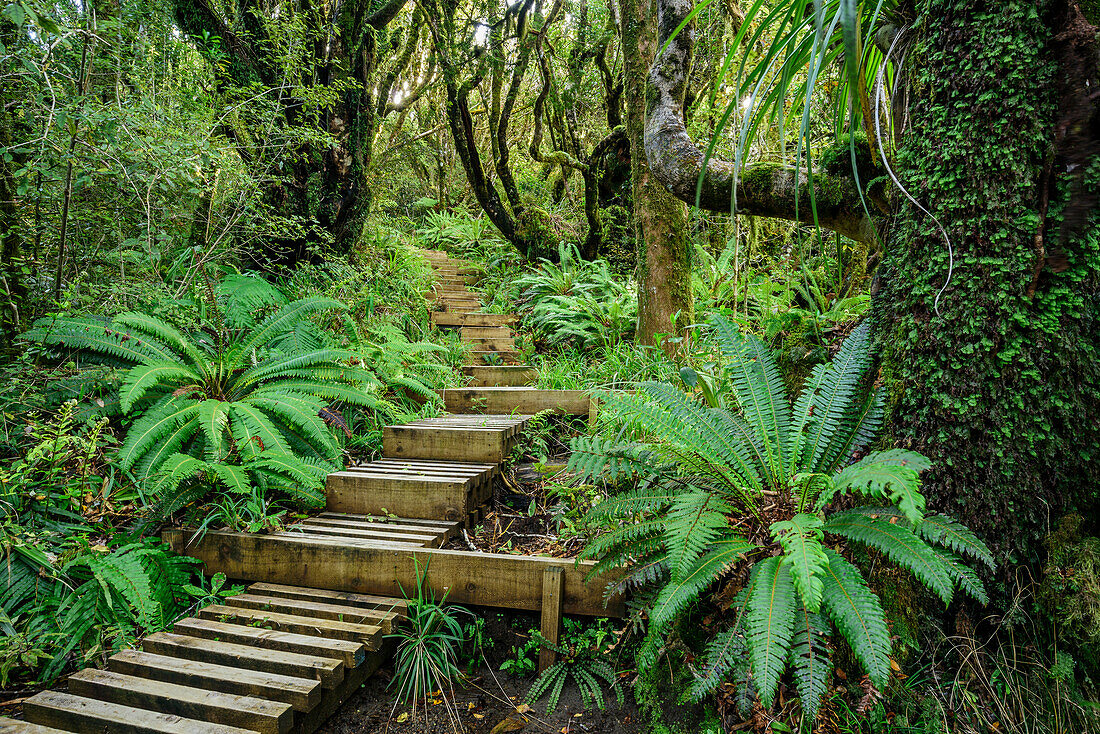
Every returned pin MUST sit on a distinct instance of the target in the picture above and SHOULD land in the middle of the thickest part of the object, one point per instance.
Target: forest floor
(489, 701)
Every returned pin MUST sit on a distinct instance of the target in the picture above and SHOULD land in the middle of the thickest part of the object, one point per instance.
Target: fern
(693, 486)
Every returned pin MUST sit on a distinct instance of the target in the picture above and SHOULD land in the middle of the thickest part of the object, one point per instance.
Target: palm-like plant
(739, 484)
(242, 406)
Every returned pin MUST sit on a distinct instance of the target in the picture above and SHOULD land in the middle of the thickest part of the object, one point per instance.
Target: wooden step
(339, 612)
(486, 332)
(246, 712)
(91, 716)
(349, 653)
(15, 726)
(416, 540)
(503, 345)
(409, 489)
(398, 520)
(500, 375)
(344, 598)
(479, 357)
(453, 438)
(328, 672)
(370, 635)
(301, 693)
(444, 319)
(527, 400)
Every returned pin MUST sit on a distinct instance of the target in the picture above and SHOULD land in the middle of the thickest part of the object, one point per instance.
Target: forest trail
(326, 590)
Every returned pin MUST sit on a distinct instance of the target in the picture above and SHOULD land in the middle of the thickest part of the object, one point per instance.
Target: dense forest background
(242, 188)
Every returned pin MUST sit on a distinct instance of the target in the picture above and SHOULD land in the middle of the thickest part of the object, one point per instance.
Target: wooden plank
(430, 541)
(246, 712)
(418, 442)
(501, 375)
(301, 693)
(436, 464)
(449, 320)
(435, 530)
(553, 585)
(478, 356)
(349, 653)
(397, 473)
(394, 520)
(339, 612)
(486, 332)
(14, 726)
(368, 634)
(491, 344)
(485, 579)
(344, 598)
(91, 716)
(331, 700)
(514, 399)
(423, 497)
(329, 672)
(301, 532)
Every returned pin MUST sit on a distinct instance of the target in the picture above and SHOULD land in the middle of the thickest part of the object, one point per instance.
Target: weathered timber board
(460, 442)
(77, 714)
(450, 320)
(433, 497)
(484, 579)
(515, 399)
(502, 375)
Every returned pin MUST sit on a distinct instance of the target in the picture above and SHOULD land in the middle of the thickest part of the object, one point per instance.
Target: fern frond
(940, 530)
(213, 418)
(332, 391)
(157, 424)
(757, 385)
(141, 378)
(892, 475)
(857, 613)
(900, 544)
(171, 443)
(685, 588)
(809, 659)
(963, 575)
(833, 402)
(695, 520)
(868, 422)
(246, 294)
(301, 412)
(769, 622)
(101, 338)
(644, 500)
(273, 368)
(804, 556)
(594, 458)
(164, 332)
(284, 319)
(254, 432)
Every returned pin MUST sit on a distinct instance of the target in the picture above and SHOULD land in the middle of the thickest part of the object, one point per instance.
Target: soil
(485, 700)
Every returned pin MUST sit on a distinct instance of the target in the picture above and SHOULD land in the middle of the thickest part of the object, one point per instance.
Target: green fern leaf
(809, 659)
(686, 588)
(154, 426)
(963, 575)
(301, 412)
(770, 625)
(284, 319)
(858, 614)
(213, 418)
(694, 522)
(233, 477)
(143, 377)
(254, 432)
(900, 544)
(164, 332)
(800, 538)
(893, 475)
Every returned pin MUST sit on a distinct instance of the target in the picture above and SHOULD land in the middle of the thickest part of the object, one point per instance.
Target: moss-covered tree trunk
(991, 344)
(660, 219)
(12, 292)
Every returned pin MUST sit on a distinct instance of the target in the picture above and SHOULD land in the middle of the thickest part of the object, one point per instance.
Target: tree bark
(660, 219)
(766, 189)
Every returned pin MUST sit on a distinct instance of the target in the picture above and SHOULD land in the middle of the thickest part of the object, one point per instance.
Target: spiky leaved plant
(239, 405)
(584, 665)
(737, 484)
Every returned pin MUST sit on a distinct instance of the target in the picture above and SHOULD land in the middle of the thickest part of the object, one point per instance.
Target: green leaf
(858, 614)
(770, 625)
(900, 544)
(683, 589)
(809, 659)
(139, 379)
(805, 557)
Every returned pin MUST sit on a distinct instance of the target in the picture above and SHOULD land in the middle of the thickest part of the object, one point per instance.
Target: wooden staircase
(281, 657)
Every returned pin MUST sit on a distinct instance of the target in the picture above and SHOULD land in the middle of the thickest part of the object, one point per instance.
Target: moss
(1069, 593)
(617, 239)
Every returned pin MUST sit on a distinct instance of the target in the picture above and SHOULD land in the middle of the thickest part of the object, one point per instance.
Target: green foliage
(428, 644)
(577, 303)
(717, 470)
(585, 663)
(241, 408)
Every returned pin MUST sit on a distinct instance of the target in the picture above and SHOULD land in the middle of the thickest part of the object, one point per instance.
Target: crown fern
(238, 409)
(728, 479)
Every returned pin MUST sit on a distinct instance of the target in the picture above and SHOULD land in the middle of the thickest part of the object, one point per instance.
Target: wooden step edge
(350, 653)
(369, 635)
(78, 714)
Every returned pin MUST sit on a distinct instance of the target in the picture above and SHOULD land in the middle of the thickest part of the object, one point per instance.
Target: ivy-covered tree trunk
(991, 341)
(12, 292)
(660, 219)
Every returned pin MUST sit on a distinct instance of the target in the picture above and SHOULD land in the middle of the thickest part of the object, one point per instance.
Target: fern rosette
(240, 408)
(729, 482)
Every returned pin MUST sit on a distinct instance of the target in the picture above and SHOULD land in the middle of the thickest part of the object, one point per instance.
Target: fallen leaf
(402, 717)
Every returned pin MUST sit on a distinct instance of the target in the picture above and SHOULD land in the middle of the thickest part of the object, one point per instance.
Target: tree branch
(766, 189)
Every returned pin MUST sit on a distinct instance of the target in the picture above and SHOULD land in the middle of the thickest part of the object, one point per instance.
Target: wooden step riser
(350, 654)
(73, 713)
(369, 635)
(449, 320)
(485, 579)
(455, 444)
(513, 399)
(500, 375)
(478, 357)
(486, 332)
(486, 344)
